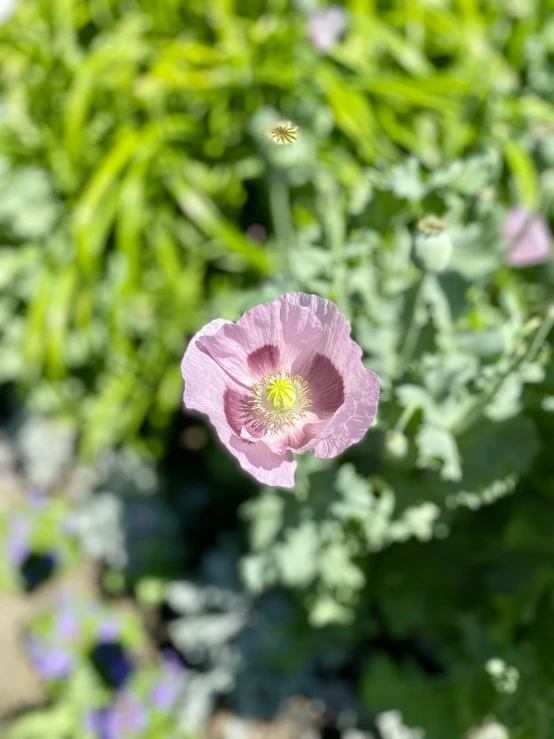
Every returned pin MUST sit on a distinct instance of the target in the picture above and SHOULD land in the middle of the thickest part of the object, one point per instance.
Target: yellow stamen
(279, 401)
(281, 394)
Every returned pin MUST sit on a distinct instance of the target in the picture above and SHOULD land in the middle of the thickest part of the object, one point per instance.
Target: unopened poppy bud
(396, 444)
(433, 247)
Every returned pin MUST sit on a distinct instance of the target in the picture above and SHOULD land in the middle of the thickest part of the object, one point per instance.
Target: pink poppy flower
(285, 378)
(529, 238)
(325, 27)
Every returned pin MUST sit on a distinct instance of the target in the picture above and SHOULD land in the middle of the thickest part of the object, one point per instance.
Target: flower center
(280, 400)
(281, 394)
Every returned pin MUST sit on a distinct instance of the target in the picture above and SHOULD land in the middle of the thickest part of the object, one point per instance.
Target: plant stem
(406, 416)
(283, 226)
(527, 356)
(414, 330)
(541, 335)
(331, 204)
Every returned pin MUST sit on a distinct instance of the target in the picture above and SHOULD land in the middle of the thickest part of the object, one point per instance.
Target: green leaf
(437, 449)
(524, 173)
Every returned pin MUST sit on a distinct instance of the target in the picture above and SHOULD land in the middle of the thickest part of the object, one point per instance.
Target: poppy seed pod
(433, 251)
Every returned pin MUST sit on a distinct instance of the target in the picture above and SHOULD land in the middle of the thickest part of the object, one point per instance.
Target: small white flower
(490, 729)
(504, 677)
(391, 726)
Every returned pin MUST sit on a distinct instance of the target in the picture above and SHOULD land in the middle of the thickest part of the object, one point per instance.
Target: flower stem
(406, 416)
(283, 226)
(521, 357)
(414, 329)
(541, 335)
(330, 205)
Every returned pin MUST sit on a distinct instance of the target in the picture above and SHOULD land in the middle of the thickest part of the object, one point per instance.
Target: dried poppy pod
(284, 133)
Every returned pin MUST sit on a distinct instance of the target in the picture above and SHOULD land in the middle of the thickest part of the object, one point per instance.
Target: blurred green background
(148, 588)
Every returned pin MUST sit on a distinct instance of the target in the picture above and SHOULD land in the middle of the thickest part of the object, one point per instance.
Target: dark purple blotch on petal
(239, 414)
(234, 409)
(326, 386)
(264, 360)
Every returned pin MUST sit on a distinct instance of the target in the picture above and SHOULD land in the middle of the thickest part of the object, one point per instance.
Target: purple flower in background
(94, 723)
(17, 544)
(529, 238)
(167, 689)
(67, 624)
(109, 630)
(285, 378)
(325, 27)
(125, 718)
(38, 499)
(165, 693)
(51, 663)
